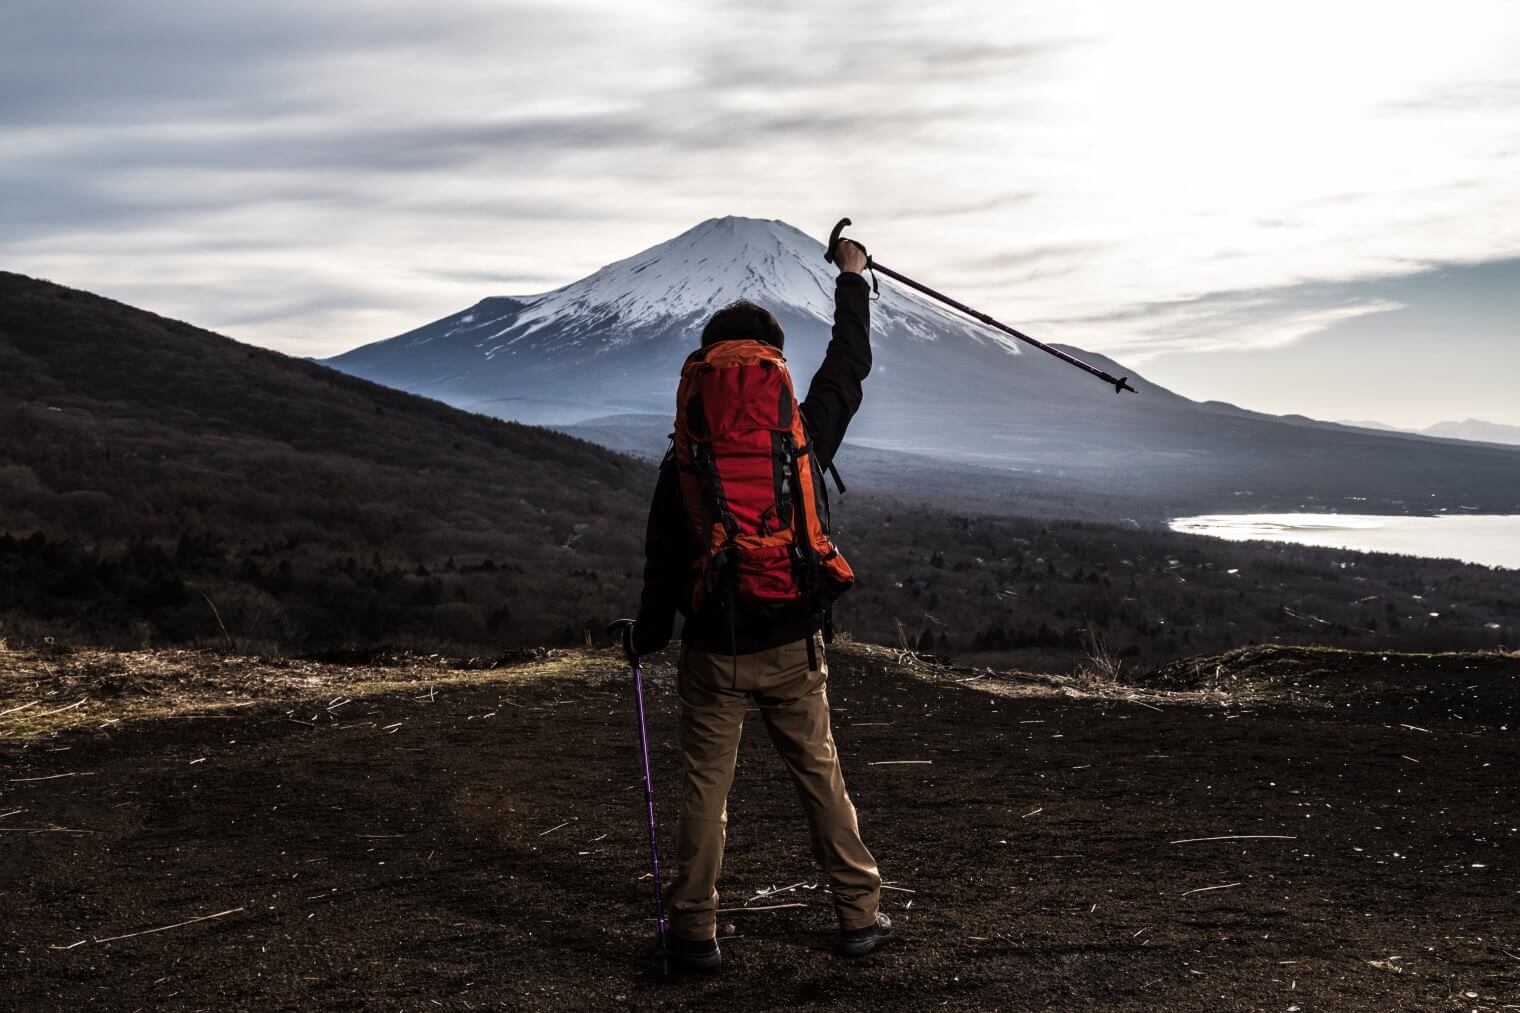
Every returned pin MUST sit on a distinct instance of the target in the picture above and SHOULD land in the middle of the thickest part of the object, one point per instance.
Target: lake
(1490, 539)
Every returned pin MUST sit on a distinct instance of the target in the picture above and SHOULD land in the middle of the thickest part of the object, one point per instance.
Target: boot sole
(861, 947)
(704, 964)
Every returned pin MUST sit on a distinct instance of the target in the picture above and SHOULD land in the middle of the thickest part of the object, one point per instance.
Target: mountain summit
(610, 346)
(695, 274)
(614, 341)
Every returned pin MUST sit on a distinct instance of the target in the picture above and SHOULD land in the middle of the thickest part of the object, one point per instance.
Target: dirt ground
(475, 839)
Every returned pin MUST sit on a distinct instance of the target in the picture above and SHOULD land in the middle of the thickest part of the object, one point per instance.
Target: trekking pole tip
(1120, 383)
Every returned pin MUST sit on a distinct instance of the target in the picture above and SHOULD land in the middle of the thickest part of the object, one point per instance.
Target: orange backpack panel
(751, 484)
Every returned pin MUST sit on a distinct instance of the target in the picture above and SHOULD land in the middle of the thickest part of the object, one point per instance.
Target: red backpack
(750, 482)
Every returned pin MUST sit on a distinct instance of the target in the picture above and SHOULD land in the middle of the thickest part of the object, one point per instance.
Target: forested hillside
(160, 484)
(155, 477)
(1036, 593)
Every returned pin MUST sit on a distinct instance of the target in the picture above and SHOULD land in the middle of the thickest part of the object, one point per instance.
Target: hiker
(738, 543)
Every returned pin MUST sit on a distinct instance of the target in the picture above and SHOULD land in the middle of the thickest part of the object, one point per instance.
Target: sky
(1295, 207)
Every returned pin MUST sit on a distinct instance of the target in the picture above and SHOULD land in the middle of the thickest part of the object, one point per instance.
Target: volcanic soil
(1251, 833)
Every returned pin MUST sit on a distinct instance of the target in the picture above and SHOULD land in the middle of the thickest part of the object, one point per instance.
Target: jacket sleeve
(835, 393)
(667, 563)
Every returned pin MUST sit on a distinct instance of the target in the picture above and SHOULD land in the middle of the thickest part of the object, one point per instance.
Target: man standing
(755, 591)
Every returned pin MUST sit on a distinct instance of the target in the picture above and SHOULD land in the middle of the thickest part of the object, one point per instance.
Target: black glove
(649, 635)
(640, 637)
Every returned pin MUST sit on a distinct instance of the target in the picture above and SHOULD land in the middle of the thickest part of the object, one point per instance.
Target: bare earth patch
(468, 838)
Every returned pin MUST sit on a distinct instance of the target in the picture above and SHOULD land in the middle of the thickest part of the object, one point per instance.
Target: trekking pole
(1120, 383)
(625, 628)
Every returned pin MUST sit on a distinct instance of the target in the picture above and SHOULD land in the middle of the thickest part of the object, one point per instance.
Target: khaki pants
(715, 690)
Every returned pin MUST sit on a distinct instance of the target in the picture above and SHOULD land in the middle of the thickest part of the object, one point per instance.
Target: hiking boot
(696, 954)
(859, 942)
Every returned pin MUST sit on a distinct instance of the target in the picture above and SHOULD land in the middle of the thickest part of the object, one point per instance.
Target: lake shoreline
(1482, 539)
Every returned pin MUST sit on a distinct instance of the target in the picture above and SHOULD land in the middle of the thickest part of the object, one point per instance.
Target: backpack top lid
(734, 352)
(733, 386)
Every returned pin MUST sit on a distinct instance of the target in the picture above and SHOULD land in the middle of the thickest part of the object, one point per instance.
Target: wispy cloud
(1172, 177)
(1229, 321)
(1439, 343)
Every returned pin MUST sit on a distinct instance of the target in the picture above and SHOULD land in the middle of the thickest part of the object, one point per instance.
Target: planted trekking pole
(624, 628)
(1120, 383)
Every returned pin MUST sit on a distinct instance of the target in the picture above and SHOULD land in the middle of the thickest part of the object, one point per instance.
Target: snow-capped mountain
(608, 349)
(614, 341)
(690, 277)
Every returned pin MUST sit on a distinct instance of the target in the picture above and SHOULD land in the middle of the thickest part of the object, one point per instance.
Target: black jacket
(670, 546)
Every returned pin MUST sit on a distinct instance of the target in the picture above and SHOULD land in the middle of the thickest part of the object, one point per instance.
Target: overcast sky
(1294, 206)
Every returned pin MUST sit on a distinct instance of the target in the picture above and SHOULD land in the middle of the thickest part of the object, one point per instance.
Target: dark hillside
(1030, 593)
(159, 483)
(145, 463)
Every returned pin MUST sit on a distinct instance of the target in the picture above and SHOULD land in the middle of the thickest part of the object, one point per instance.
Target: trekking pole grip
(839, 226)
(623, 629)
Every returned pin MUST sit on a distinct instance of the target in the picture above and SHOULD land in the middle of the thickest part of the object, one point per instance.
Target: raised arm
(836, 391)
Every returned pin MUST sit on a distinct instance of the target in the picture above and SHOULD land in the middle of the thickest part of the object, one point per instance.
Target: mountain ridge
(1475, 430)
(1468, 430)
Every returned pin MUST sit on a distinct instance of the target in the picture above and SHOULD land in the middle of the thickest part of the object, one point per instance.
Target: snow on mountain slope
(694, 274)
(665, 292)
(705, 268)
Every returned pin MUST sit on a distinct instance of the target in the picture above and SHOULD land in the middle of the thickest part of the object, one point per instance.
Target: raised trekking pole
(624, 628)
(1120, 383)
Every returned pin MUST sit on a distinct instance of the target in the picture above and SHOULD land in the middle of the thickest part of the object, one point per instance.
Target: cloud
(1002, 261)
(1440, 344)
(1259, 319)
(1194, 176)
(1462, 97)
(95, 62)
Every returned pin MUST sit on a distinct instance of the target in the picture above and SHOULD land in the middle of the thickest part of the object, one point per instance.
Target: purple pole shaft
(654, 847)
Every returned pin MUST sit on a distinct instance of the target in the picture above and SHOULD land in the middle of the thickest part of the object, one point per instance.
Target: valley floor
(474, 839)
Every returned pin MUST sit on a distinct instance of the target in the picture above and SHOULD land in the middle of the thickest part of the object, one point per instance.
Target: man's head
(740, 320)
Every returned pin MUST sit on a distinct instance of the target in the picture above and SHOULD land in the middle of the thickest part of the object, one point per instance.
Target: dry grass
(49, 690)
(1099, 678)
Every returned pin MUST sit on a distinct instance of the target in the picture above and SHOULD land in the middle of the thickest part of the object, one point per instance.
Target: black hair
(743, 319)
